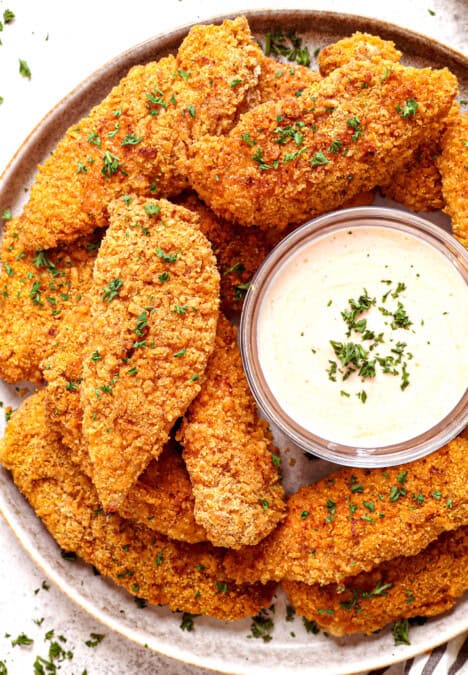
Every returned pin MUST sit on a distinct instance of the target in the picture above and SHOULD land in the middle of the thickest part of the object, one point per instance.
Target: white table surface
(62, 43)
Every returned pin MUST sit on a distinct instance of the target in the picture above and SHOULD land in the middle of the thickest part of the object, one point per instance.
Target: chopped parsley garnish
(262, 626)
(112, 290)
(110, 165)
(289, 46)
(152, 209)
(22, 639)
(24, 69)
(355, 124)
(180, 353)
(131, 139)
(159, 558)
(8, 16)
(409, 108)
(310, 626)
(94, 639)
(400, 632)
(6, 215)
(318, 159)
(187, 621)
(258, 157)
(166, 257)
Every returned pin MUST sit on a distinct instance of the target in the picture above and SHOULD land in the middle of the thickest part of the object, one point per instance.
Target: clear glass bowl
(399, 453)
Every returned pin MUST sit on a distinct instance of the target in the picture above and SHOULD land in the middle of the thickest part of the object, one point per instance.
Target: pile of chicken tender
(141, 449)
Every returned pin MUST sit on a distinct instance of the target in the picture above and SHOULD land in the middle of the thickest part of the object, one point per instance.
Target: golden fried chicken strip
(38, 289)
(229, 453)
(452, 164)
(289, 160)
(63, 370)
(186, 577)
(426, 584)
(162, 498)
(281, 80)
(358, 47)
(134, 140)
(418, 185)
(354, 519)
(238, 250)
(154, 311)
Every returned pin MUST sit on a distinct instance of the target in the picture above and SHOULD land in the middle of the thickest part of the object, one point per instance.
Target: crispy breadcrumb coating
(290, 160)
(134, 140)
(239, 251)
(229, 453)
(354, 519)
(154, 311)
(426, 584)
(162, 498)
(37, 290)
(280, 80)
(418, 185)
(63, 370)
(186, 577)
(357, 47)
(453, 163)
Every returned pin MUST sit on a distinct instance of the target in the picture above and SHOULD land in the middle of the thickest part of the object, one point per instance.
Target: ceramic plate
(219, 645)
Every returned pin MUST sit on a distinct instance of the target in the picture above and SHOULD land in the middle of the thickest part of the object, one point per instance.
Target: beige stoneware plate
(218, 645)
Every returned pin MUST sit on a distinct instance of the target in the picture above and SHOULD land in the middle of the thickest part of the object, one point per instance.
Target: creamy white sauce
(297, 321)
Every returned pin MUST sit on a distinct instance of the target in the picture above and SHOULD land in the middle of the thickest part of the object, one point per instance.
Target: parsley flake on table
(24, 69)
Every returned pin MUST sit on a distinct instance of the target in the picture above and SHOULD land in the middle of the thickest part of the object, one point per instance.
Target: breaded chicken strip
(154, 311)
(186, 577)
(355, 519)
(426, 584)
(290, 160)
(38, 289)
(229, 453)
(281, 80)
(418, 185)
(134, 140)
(63, 370)
(162, 499)
(239, 251)
(358, 47)
(453, 163)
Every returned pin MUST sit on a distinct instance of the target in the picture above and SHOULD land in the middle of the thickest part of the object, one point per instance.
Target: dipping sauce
(362, 336)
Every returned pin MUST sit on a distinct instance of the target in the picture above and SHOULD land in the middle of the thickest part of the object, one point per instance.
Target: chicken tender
(357, 47)
(423, 585)
(162, 498)
(418, 185)
(154, 311)
(134, 140)
(229, 453)
(186, 577)
(452, 164)
(355, 519)
(239, 251)
(63, 370)
(290, 160)
(280, 80)
(38, 289)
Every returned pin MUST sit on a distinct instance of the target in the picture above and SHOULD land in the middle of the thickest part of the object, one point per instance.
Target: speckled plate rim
(19, 172)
